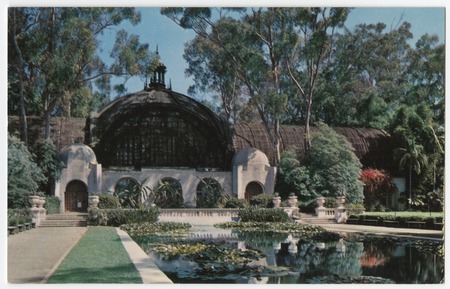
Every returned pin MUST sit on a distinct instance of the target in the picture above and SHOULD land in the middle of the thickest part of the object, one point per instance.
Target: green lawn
(99, 257)
(406, 214)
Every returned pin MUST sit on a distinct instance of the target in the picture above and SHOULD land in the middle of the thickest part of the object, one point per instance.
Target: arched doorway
(253, 189)
(76, 197)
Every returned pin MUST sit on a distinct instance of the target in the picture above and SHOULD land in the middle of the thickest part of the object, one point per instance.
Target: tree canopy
(54, 63)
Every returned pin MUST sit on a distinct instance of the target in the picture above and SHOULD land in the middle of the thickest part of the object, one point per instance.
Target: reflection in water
(401, 261)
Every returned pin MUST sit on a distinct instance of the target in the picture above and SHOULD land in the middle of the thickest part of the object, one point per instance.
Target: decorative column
(276, 200)
(34, 200)
(293, 211)
(292, 200)
(321, 211)
(93, 201)
(340, 212)
(42, 210)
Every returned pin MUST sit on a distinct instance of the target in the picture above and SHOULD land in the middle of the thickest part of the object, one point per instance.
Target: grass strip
(99, 257)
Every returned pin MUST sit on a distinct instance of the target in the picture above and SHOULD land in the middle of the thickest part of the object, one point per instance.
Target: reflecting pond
(354, 258)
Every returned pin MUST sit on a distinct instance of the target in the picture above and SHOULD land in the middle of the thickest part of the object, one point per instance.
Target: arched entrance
(76, 197)
(253, 189)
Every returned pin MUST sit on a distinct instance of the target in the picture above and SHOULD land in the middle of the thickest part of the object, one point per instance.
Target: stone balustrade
(199, 216)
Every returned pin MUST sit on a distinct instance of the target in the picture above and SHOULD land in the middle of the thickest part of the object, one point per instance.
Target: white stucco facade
(249, 166)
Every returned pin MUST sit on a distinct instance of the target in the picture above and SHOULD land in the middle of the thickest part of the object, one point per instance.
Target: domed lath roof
(77, 152)
(252, 156)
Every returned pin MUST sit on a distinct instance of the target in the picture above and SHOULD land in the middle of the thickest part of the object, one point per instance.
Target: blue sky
(156, 29)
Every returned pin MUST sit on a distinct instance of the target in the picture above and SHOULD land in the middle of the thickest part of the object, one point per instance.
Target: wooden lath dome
(372, 146)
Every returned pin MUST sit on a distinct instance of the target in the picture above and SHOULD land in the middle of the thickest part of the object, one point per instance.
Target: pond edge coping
(149, 272)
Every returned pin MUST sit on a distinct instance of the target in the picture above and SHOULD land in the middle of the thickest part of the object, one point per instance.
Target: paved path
(34, 255)
(419, 233)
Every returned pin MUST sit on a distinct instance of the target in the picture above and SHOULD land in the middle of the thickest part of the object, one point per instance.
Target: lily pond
(207, 254)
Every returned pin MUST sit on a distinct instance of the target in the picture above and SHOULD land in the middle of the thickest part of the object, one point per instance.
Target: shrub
(52, 204)
(18, 217)
(117, 217)
(355, 209)
(24, 176)
(262, 201)
(108, 201)
(255, 214)
(234, 202)
(97, 217)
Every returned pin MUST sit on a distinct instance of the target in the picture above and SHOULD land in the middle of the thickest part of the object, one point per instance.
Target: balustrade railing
(200, 213)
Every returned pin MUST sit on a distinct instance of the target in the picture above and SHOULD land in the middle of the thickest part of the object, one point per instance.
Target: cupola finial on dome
(157, 80)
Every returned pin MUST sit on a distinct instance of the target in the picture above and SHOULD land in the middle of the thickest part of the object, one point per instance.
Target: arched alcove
(208, 191)
(128, 191)
(168, 194)
(252, 189)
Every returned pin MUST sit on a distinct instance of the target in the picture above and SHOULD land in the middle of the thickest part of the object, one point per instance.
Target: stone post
(37, 209)
(321, 211)
(276, 201)
(93, 201)
(292, 201)
(42, 210)
(340, 212)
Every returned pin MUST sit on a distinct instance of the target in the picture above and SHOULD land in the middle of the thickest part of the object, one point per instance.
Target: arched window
(168, 194)
(209, 193)
(128, 190)
(76, 197)
(253, 189)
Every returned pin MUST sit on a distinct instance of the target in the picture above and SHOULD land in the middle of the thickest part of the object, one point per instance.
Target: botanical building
(160, 135)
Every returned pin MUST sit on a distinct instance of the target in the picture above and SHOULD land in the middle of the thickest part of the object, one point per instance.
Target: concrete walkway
(150, 273)
(34, 255)
(392, 231)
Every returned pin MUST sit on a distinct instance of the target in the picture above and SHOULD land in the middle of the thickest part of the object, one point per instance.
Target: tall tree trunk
(23, 116)
(307, 121)
(410, 185)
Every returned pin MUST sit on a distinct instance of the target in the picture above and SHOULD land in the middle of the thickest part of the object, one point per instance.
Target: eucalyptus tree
(238, 56)
(56, 50)
(426, 74)
(366, 80)
(315, 28)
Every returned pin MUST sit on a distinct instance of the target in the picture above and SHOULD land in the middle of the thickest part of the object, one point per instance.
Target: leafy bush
(18, 217)
(355, 209)
(234, 202)
(262, 201)
(378, 185)
(117, 217)
(50, 164)
(163, 228)
(108, 201)
(24, 176)
(255, 214)
(52, 204)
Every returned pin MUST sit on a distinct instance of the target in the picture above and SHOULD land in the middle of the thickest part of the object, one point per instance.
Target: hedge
(117, 217)
(430, 222)
(53, 205)
(255, 214)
